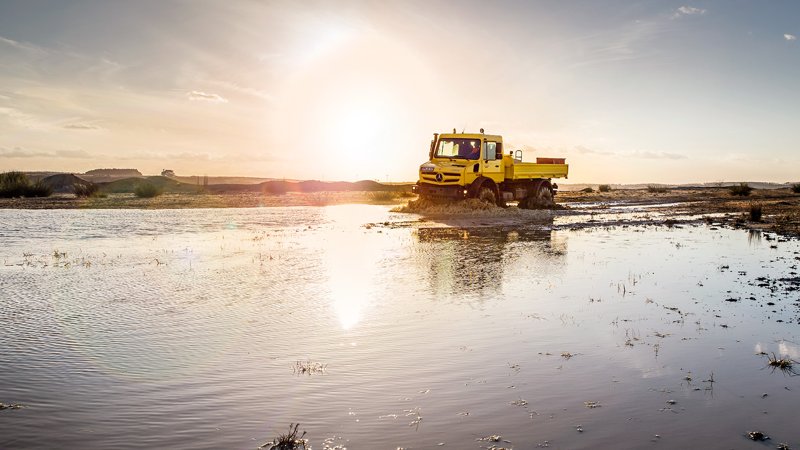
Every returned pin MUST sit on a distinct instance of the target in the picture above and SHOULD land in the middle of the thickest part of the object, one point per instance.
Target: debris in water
(520, 402)
(10, 406)
(757, 436)
(592, 404)
(309, 367)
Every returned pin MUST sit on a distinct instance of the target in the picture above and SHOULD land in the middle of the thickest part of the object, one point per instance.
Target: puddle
(218, 328)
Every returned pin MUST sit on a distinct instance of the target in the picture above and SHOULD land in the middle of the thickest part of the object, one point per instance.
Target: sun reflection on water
(351, 260)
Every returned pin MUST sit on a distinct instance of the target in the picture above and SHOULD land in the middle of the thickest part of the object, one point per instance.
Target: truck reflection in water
(474, 264)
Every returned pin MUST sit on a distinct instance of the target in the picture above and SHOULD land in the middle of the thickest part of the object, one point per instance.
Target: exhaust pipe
(433, 146)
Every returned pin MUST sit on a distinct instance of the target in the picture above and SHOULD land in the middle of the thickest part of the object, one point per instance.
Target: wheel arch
(475, 187)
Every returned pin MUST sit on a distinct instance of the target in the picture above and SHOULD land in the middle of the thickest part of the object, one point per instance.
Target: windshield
(459, 148)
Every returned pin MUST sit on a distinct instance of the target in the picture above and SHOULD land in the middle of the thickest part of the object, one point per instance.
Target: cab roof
(493, 137)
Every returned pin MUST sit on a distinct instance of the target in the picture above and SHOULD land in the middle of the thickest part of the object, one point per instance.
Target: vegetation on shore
(655, 189)
(147, 190)
(17, 184)
(741, 190)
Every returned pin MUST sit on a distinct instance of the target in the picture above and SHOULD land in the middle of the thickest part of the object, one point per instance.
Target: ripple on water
(180, 328)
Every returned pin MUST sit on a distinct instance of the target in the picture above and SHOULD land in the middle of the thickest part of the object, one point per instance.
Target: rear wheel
(540, 198)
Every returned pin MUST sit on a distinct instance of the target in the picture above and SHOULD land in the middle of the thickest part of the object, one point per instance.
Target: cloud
(18, 152)
(656, 155)
(586, 150)
(635, 154)
(790, 37)
(205, 97)
(21, 45)
(688, 11)
(82, 126)
(253, 92)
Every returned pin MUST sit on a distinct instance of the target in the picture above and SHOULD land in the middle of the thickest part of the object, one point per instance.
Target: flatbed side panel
(525, 171)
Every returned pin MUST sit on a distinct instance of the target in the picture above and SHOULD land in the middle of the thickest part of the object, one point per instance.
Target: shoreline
(780, 207)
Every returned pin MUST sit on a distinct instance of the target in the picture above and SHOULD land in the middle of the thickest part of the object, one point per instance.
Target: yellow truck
(474, 165)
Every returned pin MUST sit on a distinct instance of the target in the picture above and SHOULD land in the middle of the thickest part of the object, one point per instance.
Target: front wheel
(486, 194)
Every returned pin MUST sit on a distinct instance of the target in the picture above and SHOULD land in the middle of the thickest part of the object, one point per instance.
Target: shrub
(796, 188)
(604, 188)
(656, 189)
(85, 190)
(38, 189)
(755, 212)
(147, 190)
(17, 184)
(742, 190)
(587, 190)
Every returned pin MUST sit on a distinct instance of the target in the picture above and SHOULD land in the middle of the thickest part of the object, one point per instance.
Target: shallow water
(180, 329)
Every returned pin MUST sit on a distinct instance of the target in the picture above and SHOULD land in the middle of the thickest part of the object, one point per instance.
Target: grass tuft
(756, 210)
(741, 190)
(288, 441)
(783, 363)
(796, 188)
(147, 190)
(587, 190)
(604, 188)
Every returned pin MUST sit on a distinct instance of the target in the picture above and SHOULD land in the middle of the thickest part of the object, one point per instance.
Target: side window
(499, 153)
(491, 150)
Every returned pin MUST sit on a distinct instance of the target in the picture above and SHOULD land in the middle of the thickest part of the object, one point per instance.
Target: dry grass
(383, 196)
(655, 189)
(288, 441)
(604, 188)
(796, 188)
(319, 199)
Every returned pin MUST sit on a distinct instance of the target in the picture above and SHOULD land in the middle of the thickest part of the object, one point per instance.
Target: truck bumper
(433, 190)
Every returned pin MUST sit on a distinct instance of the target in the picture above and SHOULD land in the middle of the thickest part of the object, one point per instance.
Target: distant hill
(64, 183)
(281, 186)
(198, 180)
(115, 172)
(128, 185)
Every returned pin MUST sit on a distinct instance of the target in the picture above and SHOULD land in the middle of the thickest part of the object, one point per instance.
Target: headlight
(427, 168)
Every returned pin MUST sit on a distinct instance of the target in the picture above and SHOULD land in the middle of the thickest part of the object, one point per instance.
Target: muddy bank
(779, 209)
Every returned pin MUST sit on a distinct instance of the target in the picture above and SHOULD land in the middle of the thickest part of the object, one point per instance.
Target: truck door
(492, 162)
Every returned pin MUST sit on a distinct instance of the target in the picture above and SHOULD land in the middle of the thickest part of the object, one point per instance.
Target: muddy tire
(486, 194)
(541, 198)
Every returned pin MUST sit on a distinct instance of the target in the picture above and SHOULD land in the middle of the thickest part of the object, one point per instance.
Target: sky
(627, 91)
